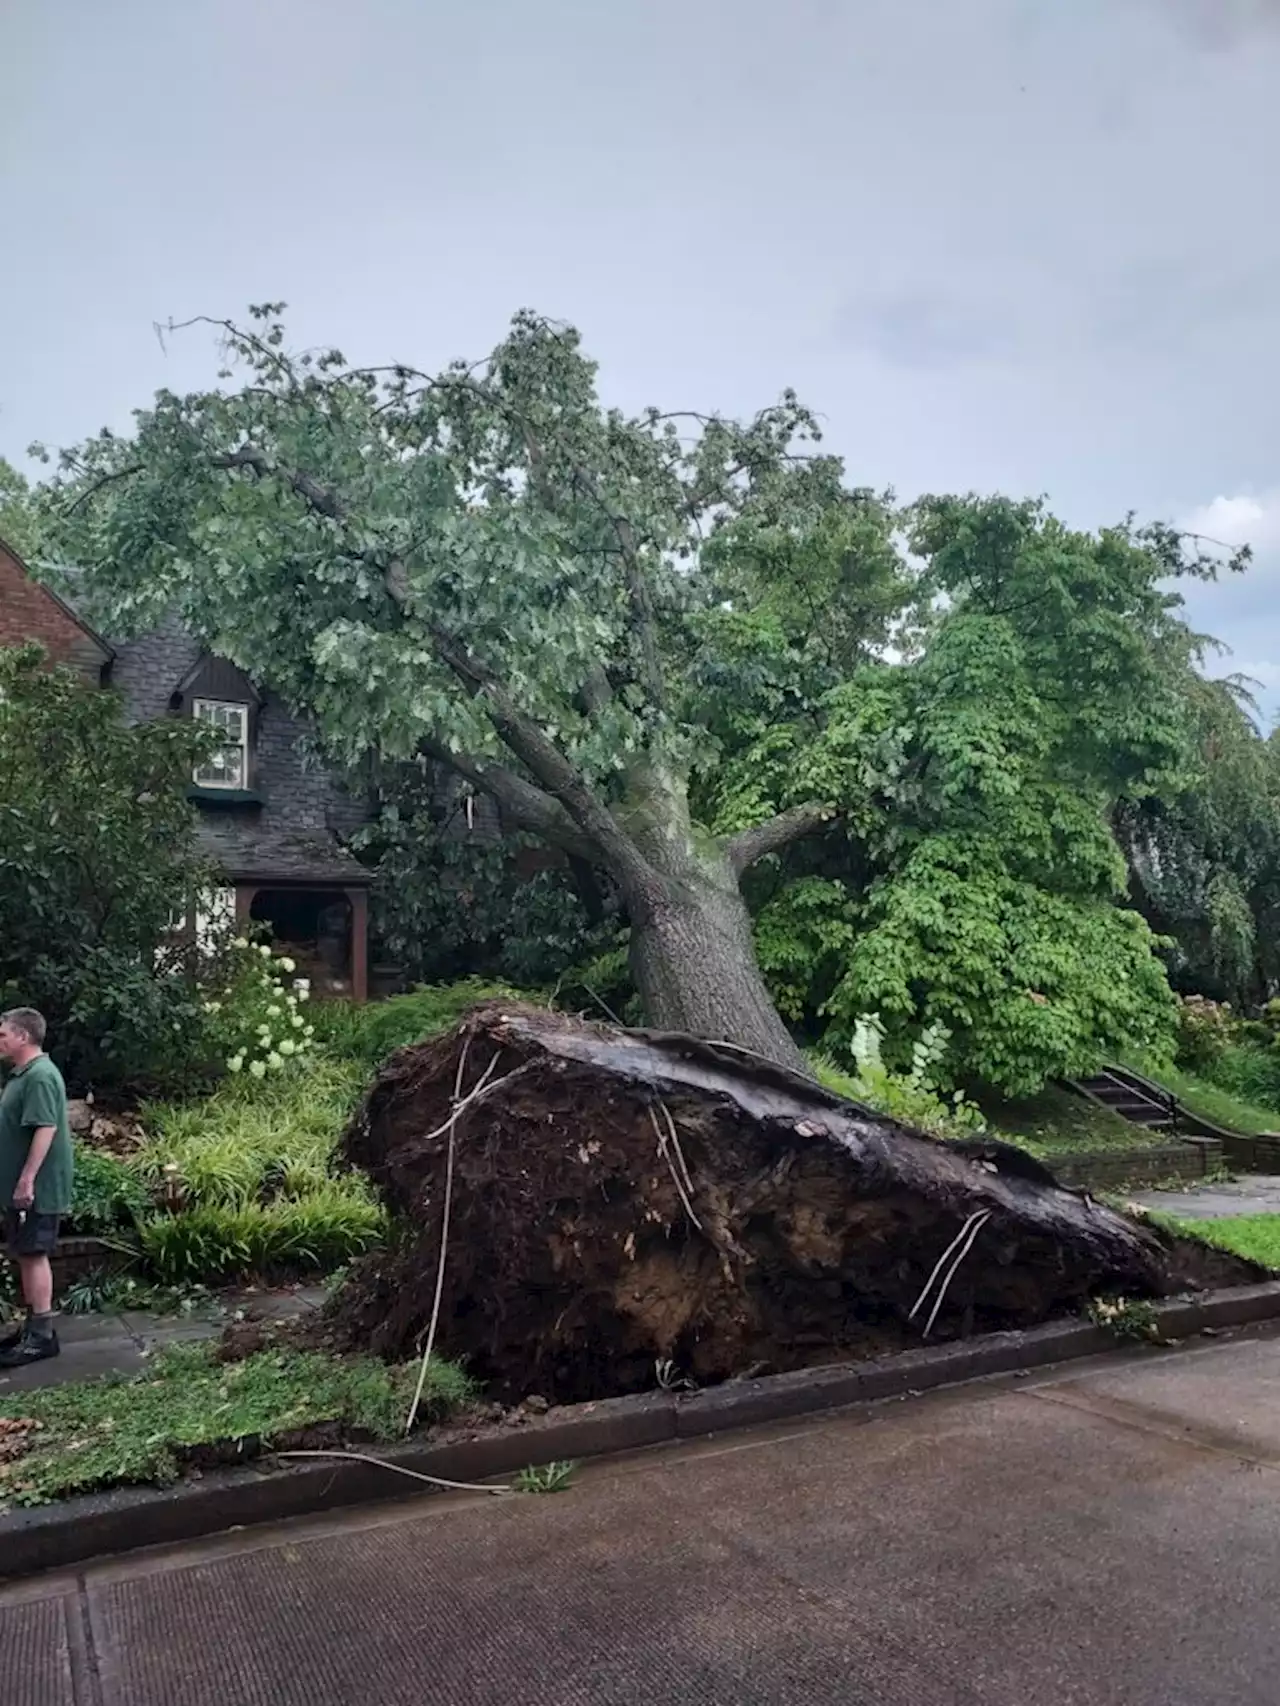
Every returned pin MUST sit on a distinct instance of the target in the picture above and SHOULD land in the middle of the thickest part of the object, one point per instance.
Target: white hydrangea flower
(287, 1046)
(274, 1061)
(236, 1063)
(258, 1068)
(288, 965)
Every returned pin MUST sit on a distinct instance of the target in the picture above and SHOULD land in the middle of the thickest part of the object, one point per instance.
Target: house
(272, 819)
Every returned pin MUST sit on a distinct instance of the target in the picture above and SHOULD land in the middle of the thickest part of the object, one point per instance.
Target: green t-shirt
(35, 1096)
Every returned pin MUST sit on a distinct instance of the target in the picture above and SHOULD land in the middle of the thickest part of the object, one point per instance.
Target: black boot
(30, 1346)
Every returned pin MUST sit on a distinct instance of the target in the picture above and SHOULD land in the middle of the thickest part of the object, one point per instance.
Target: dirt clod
(626, 1201)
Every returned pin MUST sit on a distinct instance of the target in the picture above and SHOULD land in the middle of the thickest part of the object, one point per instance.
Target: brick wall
(1112, 1170)
(1254, 1154)
(27, 612)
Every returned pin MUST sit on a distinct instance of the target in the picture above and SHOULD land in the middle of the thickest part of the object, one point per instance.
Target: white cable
(928, 1284)
(951, 1272)
(398, 1469)
(451, 1125)
(665, 1153)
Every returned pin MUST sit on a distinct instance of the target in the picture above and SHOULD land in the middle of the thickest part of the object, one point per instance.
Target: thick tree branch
(92, 490)
(743, 849)
(523, 805)
(561, 778)
(320, 498)
(596, 691)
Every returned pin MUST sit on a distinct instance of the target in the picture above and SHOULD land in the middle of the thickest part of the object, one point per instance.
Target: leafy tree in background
(976, 781)
(17, 518)
(97, 859)
(1204, 849)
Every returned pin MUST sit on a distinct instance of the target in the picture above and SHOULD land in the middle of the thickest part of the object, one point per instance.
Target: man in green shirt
(35, 1176)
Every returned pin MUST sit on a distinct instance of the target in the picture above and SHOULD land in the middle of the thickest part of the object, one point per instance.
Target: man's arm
(24, 1192)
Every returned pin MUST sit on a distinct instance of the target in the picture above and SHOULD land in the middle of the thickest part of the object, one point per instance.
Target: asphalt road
(1100, 1534)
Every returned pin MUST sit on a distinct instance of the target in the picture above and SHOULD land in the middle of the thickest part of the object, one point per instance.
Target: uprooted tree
(579, 1203)
(482, 568)
(660, 642)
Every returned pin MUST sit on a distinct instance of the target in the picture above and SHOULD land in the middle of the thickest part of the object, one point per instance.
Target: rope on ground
(399, 1469)
(451, 1126)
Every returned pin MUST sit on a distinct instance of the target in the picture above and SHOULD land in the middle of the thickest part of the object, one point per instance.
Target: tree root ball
(629, 1207)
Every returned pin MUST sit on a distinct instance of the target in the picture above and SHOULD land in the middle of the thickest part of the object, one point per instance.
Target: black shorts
(31, 1234)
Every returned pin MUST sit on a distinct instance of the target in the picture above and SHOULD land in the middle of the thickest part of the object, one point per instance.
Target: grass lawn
(90, 1434)
(1057, 1121)
(1255, 1236)
(1211, 1103)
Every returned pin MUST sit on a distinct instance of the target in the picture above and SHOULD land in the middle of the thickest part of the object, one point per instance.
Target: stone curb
(77, 1530)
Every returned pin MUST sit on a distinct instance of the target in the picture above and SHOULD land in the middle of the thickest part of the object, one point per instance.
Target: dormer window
(227, 766)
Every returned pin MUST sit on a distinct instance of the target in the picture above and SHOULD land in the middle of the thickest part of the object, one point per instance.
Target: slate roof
(250, 852)
(293, 835)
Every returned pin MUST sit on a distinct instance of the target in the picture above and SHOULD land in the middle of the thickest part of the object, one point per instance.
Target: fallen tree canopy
(623, 1199)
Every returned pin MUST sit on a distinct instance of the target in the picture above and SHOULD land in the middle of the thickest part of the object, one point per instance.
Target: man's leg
(30, 1243)
(37, 1287)
(16, 1329)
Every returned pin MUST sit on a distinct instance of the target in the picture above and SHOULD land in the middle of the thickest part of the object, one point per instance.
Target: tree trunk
(694, 961)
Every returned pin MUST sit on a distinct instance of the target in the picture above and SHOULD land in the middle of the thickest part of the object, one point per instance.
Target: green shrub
(97, 857)
(1205, 1031)
(251, 1140)
(247, 1174)
(109, 1195)
(255, 1010)
(1250, 1072)
(369, 1033)
(220, 1242)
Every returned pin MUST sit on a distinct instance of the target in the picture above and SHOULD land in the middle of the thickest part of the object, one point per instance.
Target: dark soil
(625, 1201)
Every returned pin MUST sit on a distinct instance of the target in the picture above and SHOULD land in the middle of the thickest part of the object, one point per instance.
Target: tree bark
(695, 968)
(692, 953)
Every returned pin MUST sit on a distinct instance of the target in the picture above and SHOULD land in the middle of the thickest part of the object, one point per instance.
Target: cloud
(1217, 24)
(926, 329)
(1242, 519)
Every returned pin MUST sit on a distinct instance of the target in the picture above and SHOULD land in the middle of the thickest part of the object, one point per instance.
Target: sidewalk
(120, 1341)
(1254, 1193)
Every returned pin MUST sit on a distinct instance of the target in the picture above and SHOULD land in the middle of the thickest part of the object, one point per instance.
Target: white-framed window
(227, 766)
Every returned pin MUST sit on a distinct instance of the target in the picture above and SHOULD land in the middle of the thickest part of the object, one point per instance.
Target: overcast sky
(1017, 245)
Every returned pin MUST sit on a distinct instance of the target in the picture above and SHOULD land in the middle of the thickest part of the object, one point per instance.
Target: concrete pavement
(119, 1341)
(1105, 1534)
(1255, 1193)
